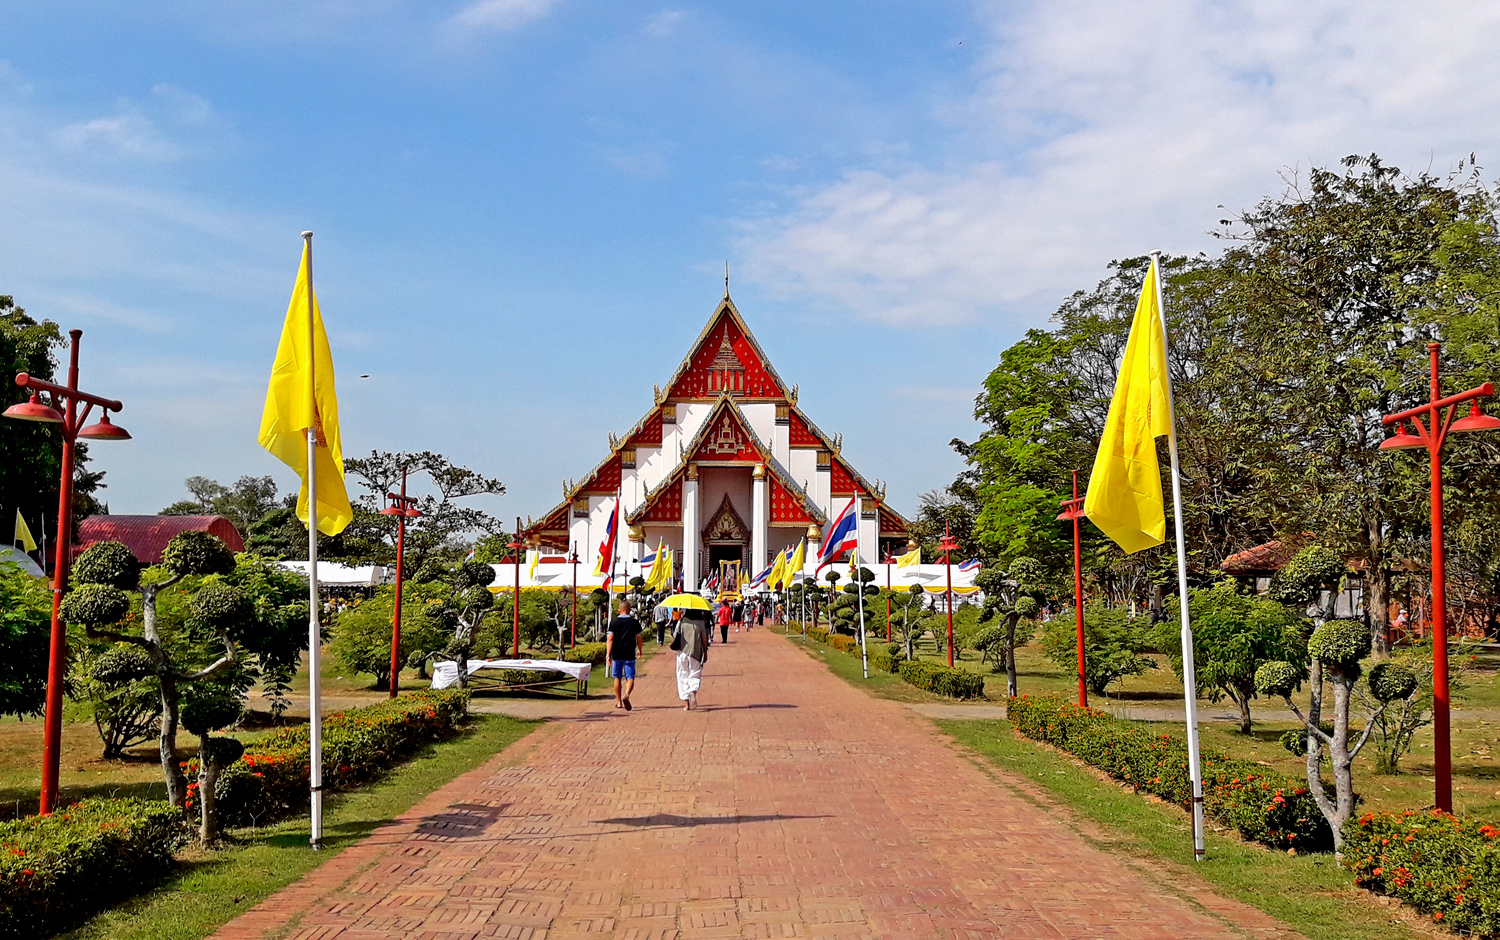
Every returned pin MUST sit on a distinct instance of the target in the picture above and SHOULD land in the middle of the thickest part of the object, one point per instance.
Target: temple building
(724, 467)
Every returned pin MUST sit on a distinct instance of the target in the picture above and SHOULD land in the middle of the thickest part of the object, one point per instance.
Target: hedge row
(1439, 864)
(271, 780)
(57, 870)
(1270, 808)
(592, 653)
(932, 677)
(943, 680)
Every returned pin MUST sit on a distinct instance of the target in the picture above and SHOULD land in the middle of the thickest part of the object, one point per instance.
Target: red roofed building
(147, 536)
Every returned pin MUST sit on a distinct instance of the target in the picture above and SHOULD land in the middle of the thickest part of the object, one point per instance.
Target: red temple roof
(147, 536)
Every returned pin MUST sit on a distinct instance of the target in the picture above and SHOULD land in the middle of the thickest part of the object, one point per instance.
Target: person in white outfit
(690, 640)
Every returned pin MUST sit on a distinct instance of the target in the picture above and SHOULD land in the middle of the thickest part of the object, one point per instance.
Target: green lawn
(211, 888)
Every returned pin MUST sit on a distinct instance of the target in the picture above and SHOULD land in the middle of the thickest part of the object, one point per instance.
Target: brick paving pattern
(791, 805)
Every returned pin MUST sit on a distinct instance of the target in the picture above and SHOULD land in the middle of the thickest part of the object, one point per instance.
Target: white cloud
(502, 15)
(158, 128)
(1096, 130)
(664, 23)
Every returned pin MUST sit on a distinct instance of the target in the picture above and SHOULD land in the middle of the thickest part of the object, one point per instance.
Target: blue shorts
(622, 669)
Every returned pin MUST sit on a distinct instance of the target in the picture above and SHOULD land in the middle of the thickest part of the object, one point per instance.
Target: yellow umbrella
(685, 602)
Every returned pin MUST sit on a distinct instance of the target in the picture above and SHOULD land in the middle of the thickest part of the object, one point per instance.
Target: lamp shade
(34, 410)
(104, 431)
(413, 514)
(391, 511)
(1401, 439)
(1475, 420)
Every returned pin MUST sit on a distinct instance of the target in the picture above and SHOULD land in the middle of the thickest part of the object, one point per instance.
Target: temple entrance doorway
(718, 553)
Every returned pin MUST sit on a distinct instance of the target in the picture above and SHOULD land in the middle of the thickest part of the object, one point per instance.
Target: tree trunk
(1241, 698)
(1378, 584)
(1011, 684)
(1315, 750)
(1343, 776)
(208, 777)
(167, 742)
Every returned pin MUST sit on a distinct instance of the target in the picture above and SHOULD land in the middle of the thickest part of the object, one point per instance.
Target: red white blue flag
(843, 535)
(605, 567)
(971, 565)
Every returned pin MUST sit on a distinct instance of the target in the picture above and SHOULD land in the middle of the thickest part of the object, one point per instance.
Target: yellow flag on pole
(913, 557)
(23, 533)
(301, 396)
(777, 573)
(794, 567)
(1124, 497)
(536, 559)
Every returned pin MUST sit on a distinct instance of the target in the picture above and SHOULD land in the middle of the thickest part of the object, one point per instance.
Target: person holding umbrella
(690, 643)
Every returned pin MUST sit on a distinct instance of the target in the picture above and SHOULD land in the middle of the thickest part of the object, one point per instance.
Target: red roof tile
(147, 536)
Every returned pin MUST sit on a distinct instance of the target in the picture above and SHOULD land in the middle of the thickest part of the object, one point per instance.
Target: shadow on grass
(16, 802)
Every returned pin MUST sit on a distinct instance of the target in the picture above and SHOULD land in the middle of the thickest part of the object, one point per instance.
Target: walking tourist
(621, 646)
(747, 614)
(661, 615)
(690, 641)
(725, 615)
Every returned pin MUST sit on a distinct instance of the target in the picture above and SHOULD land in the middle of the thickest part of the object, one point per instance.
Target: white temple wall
(804, 469)
(690, 417)
(652, 465)
(762, 418)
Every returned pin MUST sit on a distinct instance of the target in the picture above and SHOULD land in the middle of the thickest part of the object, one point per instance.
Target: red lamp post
(71, 418)
(949, 545)
(888, 595)
(573, 622)
(1073, 509)
(515, 547)
(1432, 435)
(403, 507)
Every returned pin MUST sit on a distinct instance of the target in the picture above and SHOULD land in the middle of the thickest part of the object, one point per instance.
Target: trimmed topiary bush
(1265, 807)
(1278, 678)
(57, 870)
(1340, 643)
(1441, 865)
(955, 683)
(1390, 681)
(586, 653)
(270, 781)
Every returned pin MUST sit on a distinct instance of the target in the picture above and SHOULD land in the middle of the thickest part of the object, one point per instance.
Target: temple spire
(726, 278)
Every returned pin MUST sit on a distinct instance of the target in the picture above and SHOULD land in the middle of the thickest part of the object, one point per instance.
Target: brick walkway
(791, 805)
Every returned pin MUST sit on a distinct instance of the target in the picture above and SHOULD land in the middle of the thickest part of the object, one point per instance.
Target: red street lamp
(1073, 509)
(573, 623)
(71, 420)
(1432, 436)
(515, 548)
(888, 595)
(949, 545)
(403, 507)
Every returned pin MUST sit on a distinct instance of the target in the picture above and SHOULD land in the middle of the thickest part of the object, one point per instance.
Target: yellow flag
(778, 572)
(794, 566)
(653, 575)
(913, 557)
(1124, 498)
(536, 559)
(294, 404)
(23, 533)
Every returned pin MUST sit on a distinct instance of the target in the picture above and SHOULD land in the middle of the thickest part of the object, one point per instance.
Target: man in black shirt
(621, 645)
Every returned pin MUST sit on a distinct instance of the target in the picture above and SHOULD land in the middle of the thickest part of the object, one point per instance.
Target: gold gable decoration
(727, 440)
(726, 525)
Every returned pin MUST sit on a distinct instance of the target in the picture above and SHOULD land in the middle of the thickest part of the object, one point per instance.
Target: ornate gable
(724, 437)
(605, 479)
(726, 360)
(841, 482)
(648, 432)
(801, 435)
(726, 525)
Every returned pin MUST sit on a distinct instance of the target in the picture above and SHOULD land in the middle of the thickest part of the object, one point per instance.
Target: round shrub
(121, 663)
(108, 563)
(480, 598)
(210, 707)
(1391, 681)
(221, 608)
(197, 553)
(1026, 606)
(987, 638)
(1278, 678)
(1028, 571)
(224, 751)
(1340, 643)
(474, 574)
(1312, 569)
(95, 605)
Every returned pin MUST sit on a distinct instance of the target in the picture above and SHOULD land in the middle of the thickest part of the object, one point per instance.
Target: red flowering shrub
(1439, 864)
(57, 870)
(271, 780)
(1263, 806)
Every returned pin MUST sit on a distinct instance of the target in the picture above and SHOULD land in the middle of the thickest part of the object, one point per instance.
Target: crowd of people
(691, 636)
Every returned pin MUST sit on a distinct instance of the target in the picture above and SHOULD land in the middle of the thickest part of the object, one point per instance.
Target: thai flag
(842, 535)
(760, 579)
(648, 560)
(470, 556)
(606, 566)
(971, 565)
(713, 583)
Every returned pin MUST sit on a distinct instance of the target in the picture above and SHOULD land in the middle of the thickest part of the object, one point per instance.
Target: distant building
(147, 536)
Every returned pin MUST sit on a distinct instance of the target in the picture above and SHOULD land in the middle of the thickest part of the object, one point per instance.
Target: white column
(690, 529)
(814, 545)
(760, 522)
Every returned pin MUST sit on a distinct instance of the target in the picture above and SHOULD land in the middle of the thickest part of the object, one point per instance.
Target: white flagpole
(859, 586)
(314, 692)
(1189, 667)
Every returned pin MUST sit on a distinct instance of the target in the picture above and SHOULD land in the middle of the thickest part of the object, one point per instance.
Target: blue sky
(523, 207)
